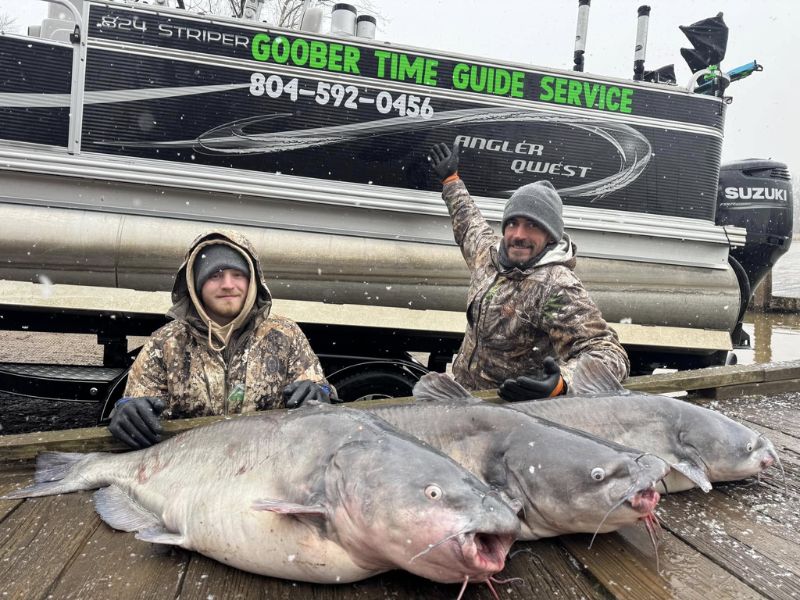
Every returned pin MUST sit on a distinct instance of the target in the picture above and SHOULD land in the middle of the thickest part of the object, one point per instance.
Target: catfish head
(572, 482)
(398, 502)
(711, 447)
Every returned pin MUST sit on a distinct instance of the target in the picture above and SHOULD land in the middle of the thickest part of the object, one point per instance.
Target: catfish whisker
(504, 581)
(653, 527)
(783, 473)
(437, 544)
(463, 587)
(491, 588)
(520, 551)
(610, 510)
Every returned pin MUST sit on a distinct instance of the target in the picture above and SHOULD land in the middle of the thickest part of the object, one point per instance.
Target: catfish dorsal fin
(440, 387)
(592, 376)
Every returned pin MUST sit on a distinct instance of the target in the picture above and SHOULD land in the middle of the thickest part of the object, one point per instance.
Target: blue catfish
(321, 494)
(701, 445)
(567, 481)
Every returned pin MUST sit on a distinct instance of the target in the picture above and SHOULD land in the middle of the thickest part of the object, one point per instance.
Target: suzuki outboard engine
(756, 194)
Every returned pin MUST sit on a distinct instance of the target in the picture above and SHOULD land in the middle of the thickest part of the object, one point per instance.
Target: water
(776, 336)
(786, 273)
(773, 337)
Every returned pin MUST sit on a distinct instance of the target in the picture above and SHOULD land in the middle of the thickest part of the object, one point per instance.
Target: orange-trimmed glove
(533, 387)
(444, 162)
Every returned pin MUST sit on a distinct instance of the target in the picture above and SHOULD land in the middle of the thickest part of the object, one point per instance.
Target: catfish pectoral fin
(122, 512)
(288, 508)
(159, 535)
(694, 473)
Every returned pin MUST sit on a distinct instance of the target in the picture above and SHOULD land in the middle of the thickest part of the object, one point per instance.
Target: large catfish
(321, 494)
(568, 481)
(701, 445)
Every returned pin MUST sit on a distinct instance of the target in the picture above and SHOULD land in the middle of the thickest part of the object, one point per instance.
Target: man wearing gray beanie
(529, 318)
(224, 353)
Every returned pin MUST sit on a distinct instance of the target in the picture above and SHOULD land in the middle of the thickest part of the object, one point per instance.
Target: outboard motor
(756, 194)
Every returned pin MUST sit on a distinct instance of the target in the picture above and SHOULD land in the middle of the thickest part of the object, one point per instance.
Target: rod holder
(580, 34)
(640, 50)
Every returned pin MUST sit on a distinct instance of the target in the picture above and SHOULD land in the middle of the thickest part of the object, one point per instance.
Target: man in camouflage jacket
(223, 353)
(529, 316)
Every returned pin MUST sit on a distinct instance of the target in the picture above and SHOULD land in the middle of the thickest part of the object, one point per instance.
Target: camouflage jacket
(267, 353)
(517, 318)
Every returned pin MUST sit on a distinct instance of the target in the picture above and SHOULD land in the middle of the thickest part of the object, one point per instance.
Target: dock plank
(625, 563)
(206, 578)
(13, 476)
(781, 413)
(757, 551)
(38, 539)
(114, 565)
(741, 541)
(546, 570)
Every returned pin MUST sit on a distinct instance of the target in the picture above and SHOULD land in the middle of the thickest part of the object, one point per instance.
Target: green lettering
(318, 55)
(561, 90)
(461, 76)
(546, 85)
(260, 46)
(334, 57)
(574, 94)
(411, 70)
(610, 95)
(382, 55)
(590, 91)
(502, 82)
(429, 78)
(477, 78)
(626, 101)
(299, 52)
(351, 57)
(517, 84)
(280, 50)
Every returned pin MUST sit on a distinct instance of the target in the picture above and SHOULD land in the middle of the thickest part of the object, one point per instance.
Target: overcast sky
(761, 122)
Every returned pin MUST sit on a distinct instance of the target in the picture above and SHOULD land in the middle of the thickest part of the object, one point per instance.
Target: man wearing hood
(529, 316)
(223, 353)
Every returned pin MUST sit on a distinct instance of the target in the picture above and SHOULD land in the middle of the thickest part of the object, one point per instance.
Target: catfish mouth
(645, 501)
(483, 554)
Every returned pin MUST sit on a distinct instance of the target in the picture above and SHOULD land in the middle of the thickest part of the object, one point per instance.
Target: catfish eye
(433, 492)
(749, 447)
(598, 474)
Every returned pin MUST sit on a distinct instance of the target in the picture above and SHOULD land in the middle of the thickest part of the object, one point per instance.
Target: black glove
(443, 161)
(135, 421)
(304, 390)
(531, 387)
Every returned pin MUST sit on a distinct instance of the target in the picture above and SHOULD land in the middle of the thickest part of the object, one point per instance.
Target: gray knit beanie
(214, 258)
(539, 202)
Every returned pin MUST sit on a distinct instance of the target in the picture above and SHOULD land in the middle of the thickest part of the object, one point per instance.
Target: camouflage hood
(183, 307)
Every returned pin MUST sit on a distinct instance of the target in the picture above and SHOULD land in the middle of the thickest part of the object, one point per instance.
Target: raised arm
(470, 229)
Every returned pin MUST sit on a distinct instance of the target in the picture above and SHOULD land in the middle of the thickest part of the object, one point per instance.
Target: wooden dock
(742, 540)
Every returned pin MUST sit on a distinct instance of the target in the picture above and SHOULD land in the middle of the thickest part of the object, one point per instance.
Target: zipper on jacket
(224, 383)
(478, 321)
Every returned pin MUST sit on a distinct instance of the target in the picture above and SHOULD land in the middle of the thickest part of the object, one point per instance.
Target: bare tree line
(7, 22)
(281, 13)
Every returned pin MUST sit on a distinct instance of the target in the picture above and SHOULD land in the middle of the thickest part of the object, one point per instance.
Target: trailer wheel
(374, 385)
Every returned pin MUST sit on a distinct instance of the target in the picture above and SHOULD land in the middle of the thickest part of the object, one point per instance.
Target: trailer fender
(378, 379)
